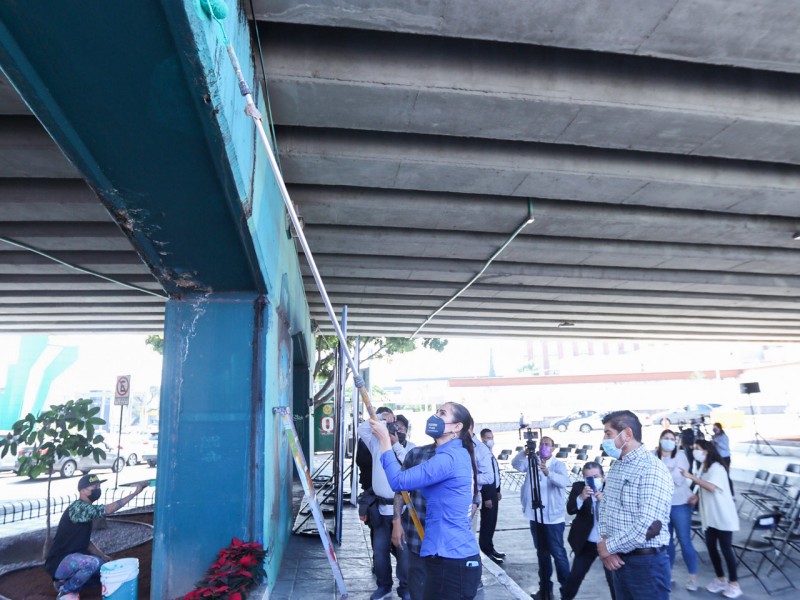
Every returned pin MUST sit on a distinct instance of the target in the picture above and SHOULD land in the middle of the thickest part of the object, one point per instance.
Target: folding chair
(586, 448)
(576, 474)
(763, 546)
(787, 534)
(562, 454)
(771, 499)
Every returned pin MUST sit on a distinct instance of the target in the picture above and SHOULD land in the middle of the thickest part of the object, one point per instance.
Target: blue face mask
(610, 447)
(435, 426)
(668, 445)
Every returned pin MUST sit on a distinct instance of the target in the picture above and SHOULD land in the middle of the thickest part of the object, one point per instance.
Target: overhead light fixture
(796, 236)
(566, 324)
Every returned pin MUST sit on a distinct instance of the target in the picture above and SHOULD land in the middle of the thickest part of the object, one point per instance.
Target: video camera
(530, 439)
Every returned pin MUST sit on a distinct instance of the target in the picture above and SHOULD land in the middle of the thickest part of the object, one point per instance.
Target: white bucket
(120, 579)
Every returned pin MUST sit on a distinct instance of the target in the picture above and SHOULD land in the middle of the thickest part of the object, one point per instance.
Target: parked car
(563, 423)
(686, 414)
(588, 423)
(133, 447)
(68, 465)
(151, 456)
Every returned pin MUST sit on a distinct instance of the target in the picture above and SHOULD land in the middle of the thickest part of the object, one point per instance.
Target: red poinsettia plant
(238, 568)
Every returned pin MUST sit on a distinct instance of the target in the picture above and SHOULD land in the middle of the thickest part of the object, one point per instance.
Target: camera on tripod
(530, 440)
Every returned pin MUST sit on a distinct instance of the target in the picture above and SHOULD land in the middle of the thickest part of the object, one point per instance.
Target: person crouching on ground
(73, 559)
(548, 537)
(448, 480)
(583, 502)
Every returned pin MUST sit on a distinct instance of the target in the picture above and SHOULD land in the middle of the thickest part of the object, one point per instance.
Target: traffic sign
(122, 391)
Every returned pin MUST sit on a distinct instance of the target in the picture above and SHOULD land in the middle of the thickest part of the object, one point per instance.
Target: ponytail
(462, 415)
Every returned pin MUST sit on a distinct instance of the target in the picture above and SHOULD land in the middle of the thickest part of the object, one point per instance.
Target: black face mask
(401, 437)
(94, 495)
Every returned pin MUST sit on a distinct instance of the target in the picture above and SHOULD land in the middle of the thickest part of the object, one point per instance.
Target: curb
(505, 580)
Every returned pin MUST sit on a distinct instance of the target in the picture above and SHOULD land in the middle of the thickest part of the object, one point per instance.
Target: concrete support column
(211, 435)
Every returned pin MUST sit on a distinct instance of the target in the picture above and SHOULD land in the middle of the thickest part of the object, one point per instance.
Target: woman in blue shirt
(449, 483)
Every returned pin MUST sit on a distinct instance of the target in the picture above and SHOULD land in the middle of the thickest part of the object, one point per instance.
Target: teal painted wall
(18, 379)
(285, 313)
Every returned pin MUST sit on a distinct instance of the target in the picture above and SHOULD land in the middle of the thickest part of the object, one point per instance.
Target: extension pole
(255, 114)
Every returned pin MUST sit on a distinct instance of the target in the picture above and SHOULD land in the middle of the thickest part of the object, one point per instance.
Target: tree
(65, 430)
(370, 348)
(156, 342)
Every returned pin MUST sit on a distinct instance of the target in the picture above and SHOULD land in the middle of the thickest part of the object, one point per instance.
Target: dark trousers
(416, 575)
(488, 519)
(725, 541)
(580, 567)
(549, 542)
(643, 577)
(451, 578)
(382, 549)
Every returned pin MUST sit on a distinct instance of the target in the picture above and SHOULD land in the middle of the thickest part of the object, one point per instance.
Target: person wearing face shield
(73, 560)
(448, 481)
(634, 513)
(380, 513)
(548, 536)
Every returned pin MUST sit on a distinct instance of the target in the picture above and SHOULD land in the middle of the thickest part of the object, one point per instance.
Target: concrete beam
(388, 82)
(458, 271)
(552, 250)
(444, 212)
(756, 34)
(430, 163)
(501, 292)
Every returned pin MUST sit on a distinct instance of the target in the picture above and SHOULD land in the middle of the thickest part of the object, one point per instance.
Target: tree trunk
(47, 540)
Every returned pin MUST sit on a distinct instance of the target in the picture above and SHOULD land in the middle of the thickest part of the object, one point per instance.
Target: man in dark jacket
(583, 537)
(73, 559)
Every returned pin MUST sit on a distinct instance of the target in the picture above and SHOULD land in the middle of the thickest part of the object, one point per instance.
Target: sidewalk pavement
(305, 573)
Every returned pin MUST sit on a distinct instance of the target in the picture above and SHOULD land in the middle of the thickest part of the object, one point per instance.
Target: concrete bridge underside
(658, 141)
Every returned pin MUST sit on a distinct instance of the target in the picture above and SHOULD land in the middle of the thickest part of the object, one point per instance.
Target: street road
(14, 487)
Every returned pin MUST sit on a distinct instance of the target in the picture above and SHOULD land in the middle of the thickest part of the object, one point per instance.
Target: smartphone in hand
(590, 481)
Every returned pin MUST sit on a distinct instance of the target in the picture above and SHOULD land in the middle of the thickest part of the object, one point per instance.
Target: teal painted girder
(121, 88)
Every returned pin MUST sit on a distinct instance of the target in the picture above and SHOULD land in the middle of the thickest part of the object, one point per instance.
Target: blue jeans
(680, 524)
(382, 549)
(549, 543)
(646, 576)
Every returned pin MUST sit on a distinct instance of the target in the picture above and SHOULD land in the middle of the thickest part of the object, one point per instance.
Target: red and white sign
(326, 425)
(122, 391)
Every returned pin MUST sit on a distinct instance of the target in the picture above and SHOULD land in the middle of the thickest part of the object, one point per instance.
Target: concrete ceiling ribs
(658, 141)
(655, 140)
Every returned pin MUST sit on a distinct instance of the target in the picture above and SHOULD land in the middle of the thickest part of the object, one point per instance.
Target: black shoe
(496, 560)
(497, 554)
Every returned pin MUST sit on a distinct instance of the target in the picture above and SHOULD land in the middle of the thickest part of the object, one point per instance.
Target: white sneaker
(691, 585)
(732, 591)
(717, 586)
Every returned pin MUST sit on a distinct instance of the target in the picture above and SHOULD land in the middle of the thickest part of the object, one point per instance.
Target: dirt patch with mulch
(35, 583)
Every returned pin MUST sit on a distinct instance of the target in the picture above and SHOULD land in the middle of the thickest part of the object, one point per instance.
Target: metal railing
(13, 511)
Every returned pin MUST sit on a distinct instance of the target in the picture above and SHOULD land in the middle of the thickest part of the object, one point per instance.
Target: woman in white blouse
(718, 515)
(680, 516)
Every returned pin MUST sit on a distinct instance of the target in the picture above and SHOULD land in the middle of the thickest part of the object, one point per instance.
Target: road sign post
(122, 397)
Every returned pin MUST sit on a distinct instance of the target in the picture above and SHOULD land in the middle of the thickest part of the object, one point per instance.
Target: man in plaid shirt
(634, 513)
(404, 533)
